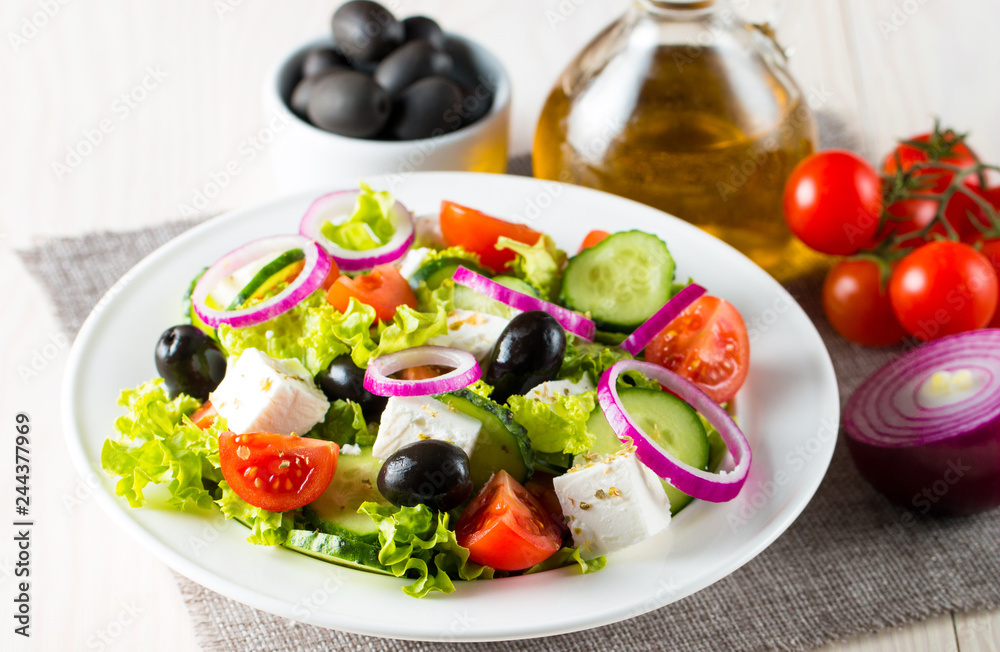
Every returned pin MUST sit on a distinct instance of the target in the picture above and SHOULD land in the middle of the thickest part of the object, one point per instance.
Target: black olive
(476, 102)
(299, 102)
(322, 59)
(366, 31)
(345, 380)
(424, 29)
(429, 472)
(409, 63)
(189, 361)
(426, 108)
(529, 351)
(349, 103)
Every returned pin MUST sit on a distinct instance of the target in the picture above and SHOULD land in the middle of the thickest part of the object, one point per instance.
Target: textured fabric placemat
(850, 564)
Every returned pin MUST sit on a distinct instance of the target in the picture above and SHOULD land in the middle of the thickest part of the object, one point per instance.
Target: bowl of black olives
(382, 95)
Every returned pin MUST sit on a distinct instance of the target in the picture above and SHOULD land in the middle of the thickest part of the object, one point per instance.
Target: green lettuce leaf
(440, 298)
(158, 444)
(266, 528)
(410, 328)
(559, 426)
(453, 252)
(368, 226)
(417, 543)
(481, 387)
(344, 424)
(588, 358)
(568, 557)
(539, 264)
(313, 332)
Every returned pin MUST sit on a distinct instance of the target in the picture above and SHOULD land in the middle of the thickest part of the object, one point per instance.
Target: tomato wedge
(478, 232)
(592, 238)
(708, 344)
(204, 416)
(506, 528)
(277, 472)
(331, 276)
(384, 289)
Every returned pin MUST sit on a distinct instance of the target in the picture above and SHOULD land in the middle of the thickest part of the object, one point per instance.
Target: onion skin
(958, 476)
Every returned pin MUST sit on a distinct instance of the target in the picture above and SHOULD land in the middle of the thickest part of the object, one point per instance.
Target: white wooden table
(888, 71)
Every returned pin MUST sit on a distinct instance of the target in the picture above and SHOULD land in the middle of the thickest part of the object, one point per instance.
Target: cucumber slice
(271, 274)
(337, 550)
(554, 463)
(466, 299)
(354, 482)
(620, 281)
(434, 272)
(190, 316)
(502, 445)
(674, 425)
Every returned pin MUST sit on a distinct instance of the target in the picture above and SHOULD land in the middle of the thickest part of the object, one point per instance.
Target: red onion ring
(340, 204)
(573, 322)
(713, 487)
(643, 335)
(315, 269)
(466, 371)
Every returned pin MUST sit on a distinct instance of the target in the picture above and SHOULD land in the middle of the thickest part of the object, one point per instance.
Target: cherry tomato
(858, 306)
(332, 275)
(592, 238)
(277, 472)
(943, 288)
(204, 416)
(708, 344)
(991, 249)
(506, 528)
(937, 179)
(384, 289)
(421, 372)
(478, 233)
(833, 201)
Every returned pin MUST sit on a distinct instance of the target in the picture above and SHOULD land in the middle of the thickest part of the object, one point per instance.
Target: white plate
(788, 408)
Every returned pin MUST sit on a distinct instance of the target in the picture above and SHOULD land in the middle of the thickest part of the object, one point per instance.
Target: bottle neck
(681, 9)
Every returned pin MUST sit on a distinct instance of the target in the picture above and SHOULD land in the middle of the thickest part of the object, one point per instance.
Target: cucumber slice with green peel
(274, 272)
(466, 299)
(674, 425)
(502, 444)
(190, 316)
(554, 463)
(434, 272)
(354, 482)
(621, 281)
(337, 550)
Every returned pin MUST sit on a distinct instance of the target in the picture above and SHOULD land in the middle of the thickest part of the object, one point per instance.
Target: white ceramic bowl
(305, 156)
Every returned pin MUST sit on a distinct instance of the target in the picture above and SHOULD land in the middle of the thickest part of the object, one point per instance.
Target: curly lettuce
(539, 264)
(417, 543)
(588, 358)
(266, 528)
(344, 424)
(158, 444)
(568, 557)
(368, 226)
(559, 426)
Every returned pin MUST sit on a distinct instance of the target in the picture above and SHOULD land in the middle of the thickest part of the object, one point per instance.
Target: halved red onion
(315, 269)
(714, 487)
(925, 429)
(643, 335)
(573, 322)
(337, 207)
(465, 371)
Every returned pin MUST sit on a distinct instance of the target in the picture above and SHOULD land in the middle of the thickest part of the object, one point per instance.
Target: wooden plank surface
(94, 588)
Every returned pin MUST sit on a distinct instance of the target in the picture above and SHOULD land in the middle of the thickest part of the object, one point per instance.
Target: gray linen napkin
(850, 564)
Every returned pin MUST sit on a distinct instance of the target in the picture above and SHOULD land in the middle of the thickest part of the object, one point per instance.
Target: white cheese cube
(471, 331)
(261, 394)
(612, 503)
(411, 261)
(413, 418)
(550, 389)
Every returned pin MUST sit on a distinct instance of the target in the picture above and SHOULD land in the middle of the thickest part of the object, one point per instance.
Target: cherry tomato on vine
(833, 201)
(991, 249)
(937, 179)
(943, 288)
(857, 304)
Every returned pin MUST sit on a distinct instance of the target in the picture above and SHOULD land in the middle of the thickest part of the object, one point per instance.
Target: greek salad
(441, 398)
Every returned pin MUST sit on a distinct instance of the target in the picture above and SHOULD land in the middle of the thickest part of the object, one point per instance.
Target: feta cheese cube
(612, 503)
(411, 261)
(471, 331)
(262, 394)
(550, 389)
(412, 418)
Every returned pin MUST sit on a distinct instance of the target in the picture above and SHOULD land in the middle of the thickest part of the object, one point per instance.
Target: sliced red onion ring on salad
(315, 268)
(465, 371)
(925, 429)
(643, 335)
(338, 206)
(714, 487)
(573, 322)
